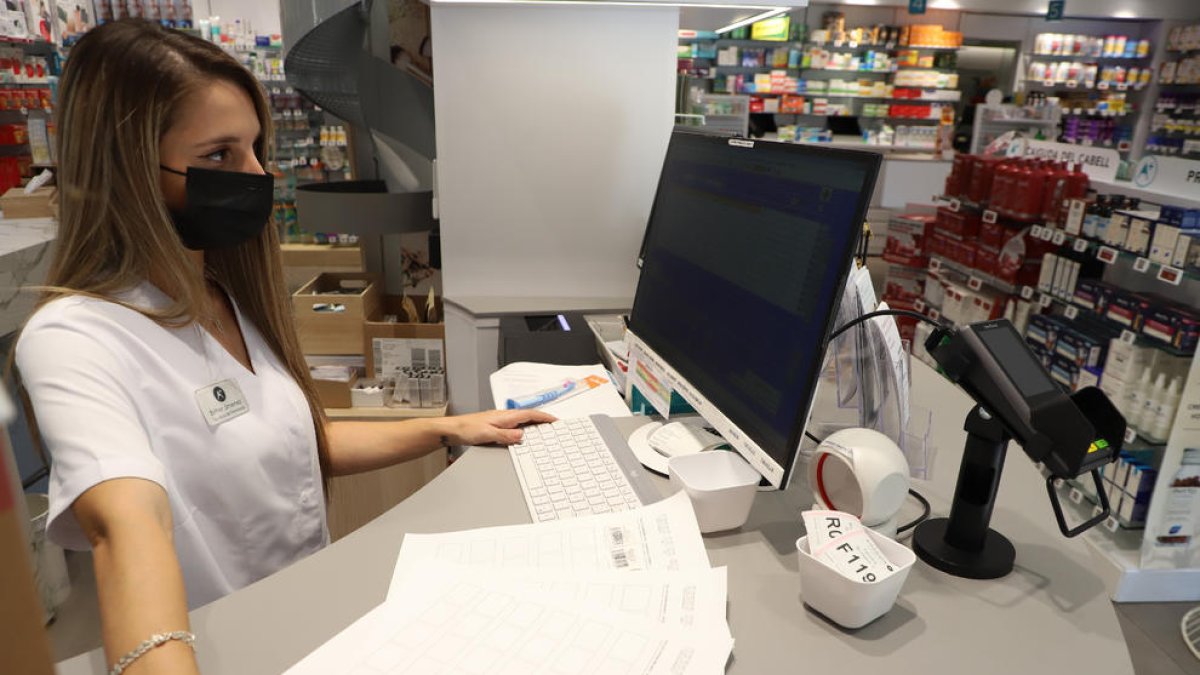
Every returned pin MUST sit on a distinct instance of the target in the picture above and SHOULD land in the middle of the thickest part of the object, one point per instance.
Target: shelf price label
(1047, 83)
(1106, 255)
(1075, 495)
(1128, 336)
(935, 264)
(1130, 435)
(1046, 300)
(1047, 234)
(1072, 312)
(974, 283)
(919, 304)
(1060, 237)
(955, 204)
(1124, 146)
(1121, 86)
(1071, 84)
(934, 314)
(1141, 264)
(1102, 86)
(989, 216)
(1027, 292)
(1171, 275)
(1036, 231)
(1080, 245)
(1112, 524)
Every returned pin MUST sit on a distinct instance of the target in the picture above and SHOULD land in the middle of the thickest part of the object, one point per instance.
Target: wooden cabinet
(356, 500)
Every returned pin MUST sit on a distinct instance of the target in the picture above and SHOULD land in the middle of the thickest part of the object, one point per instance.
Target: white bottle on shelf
(1150, 399)
(1133, 404)
(1164, 411)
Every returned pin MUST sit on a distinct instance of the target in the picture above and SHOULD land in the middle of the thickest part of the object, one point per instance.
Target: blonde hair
(120, 93)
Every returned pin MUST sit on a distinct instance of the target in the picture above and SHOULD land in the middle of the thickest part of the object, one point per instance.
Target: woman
(189, 447)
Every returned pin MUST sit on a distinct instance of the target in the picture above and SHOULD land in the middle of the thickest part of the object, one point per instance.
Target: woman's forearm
(363, 446)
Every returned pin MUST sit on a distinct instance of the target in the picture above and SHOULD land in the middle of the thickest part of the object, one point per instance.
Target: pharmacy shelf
(1085, 86)
(1091, 59)
(1140, 340)
(900, 69)
(938, 263)
(928, 48)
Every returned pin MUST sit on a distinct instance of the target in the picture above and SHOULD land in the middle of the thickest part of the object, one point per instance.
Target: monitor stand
(654, 443)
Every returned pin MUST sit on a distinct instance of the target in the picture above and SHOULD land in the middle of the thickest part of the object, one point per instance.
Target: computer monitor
(744, 259)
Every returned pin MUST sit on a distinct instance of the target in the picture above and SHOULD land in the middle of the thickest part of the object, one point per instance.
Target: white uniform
(116, 396)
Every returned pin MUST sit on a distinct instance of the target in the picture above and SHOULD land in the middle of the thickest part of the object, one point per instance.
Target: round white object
(862, 472)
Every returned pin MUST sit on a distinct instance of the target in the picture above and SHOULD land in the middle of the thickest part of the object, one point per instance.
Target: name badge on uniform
(221, 402)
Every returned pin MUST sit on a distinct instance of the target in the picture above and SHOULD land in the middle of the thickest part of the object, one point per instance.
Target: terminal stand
(963, 544)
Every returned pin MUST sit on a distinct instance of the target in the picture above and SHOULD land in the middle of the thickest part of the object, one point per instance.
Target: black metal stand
(963, 544)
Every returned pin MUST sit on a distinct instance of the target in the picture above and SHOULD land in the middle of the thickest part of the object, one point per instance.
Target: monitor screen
(745, 256)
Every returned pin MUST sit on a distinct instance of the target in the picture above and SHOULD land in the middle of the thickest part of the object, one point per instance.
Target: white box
(1162, 247)
(1046, 277)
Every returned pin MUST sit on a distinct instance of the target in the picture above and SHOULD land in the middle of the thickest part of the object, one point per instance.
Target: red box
(960, 223)
(903, 284)
(907, 240)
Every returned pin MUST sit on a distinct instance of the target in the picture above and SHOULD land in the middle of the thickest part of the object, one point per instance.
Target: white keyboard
(578, 467)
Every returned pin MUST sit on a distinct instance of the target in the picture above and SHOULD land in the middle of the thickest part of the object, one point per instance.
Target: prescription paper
(466, 625)
(661, 536)
(523, 378)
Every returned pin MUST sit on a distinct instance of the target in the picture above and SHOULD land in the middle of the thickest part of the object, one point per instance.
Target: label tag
(989, 216)
(221, 402)
(1072, 311)
(935, 264)
(1111, 524)
(1128, 336)
(934, 313)
(1141, 264)
(919, 305)
(1047, 83)
(955, 204)
(1059, 237)
(1102, 86)
(1124, 146)
(855, 555)
(974, 283)
(1036, 231)
(1075, 495)
(1080, 245)
(1171, 275)
(1027, 292)
(1106, 255)
(1071, 84)
(1047, 234)
(1130, 435)
(1121, 86)
(1046, 300)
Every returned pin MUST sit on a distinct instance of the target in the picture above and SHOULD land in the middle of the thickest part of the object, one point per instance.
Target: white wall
(263, 15)
(552, 122)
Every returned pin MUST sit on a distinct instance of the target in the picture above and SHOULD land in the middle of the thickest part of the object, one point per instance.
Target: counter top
(856, 143)
(1051, 614)
(25, 246)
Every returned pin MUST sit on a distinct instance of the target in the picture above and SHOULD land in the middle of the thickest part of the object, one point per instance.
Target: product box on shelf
(1171, 324)
(1043, 330)
(903, 284)
(959, 223)
(330, 311)
(906, 239)
(1092, 294)
(1127, 309)
(1162, 246)
(393, 340)
(1040, 353)
(1141, 234)
(1187, 250)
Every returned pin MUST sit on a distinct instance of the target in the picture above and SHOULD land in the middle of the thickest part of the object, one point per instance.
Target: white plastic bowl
(720, 484)
(849, 602)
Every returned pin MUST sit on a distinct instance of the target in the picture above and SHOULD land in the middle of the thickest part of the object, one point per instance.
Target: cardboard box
(1162, 247)
(330, 311)
(335, 394)
(402, 343)
(16, 204)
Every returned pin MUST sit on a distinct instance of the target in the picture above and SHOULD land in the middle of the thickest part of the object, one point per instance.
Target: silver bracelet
(154, 641)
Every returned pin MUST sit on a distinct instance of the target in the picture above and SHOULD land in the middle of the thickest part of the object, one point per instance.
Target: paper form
(661, 536)
(650, 378)
(685, 599)
(468, 626)
(521, 379)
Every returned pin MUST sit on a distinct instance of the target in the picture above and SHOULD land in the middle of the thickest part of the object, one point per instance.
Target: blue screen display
(744, 259)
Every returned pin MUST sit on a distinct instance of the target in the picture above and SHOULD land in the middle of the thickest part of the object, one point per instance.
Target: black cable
(882, 312)
(812, 438)
(919, 519)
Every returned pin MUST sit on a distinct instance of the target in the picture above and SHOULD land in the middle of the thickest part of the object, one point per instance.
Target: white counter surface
(25, 246)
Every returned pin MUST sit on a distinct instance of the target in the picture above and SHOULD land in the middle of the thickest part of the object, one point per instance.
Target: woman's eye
(217, 156)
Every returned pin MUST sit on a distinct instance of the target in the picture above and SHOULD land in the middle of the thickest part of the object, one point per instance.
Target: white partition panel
(552, 123)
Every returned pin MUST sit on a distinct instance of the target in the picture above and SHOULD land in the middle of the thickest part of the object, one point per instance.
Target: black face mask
(223, 208)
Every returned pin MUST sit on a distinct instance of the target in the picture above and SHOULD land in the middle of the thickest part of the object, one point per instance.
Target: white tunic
(115, 397)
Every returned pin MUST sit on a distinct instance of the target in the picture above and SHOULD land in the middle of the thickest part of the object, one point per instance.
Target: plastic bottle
(1150, 399)
(1164, 412)
(1137, 399)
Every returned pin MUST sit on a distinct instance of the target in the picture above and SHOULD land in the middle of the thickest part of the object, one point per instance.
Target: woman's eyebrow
(219, 140)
